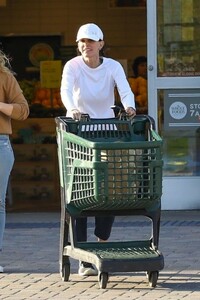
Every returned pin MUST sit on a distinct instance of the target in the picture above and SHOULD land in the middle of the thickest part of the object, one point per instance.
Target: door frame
(187, 188)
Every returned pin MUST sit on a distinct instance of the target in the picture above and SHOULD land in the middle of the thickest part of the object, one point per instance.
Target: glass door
(173, 31)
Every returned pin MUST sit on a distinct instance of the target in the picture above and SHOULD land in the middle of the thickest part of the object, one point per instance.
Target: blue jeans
(6, 164)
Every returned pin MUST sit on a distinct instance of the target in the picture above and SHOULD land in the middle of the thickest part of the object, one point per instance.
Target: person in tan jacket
(138, 84)
(13, 105)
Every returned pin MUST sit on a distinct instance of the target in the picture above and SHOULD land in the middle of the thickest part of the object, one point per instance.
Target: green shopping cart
(110, 167)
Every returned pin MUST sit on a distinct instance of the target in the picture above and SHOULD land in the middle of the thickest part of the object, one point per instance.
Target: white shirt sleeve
(67, 84)
(125, 92)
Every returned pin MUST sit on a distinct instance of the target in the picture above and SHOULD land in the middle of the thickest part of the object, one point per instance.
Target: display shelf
(35, 178)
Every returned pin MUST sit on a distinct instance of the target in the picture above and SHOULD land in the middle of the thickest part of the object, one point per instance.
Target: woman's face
(142, 69)
(89, 48)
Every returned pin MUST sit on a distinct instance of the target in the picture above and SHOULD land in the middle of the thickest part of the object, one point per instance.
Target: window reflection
(178, 37)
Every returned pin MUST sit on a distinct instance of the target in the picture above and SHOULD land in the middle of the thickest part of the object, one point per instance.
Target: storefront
(174, 96)
(173, 52)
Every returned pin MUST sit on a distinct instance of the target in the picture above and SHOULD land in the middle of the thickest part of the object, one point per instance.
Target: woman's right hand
(76, 114)
(131, 112)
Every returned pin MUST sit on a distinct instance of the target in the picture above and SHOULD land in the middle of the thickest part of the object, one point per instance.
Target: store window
(178, 56)
(26, 53)
(178, 36)
(179, 126)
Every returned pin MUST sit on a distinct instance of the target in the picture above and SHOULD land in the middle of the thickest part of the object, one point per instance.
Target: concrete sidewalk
(31, 252)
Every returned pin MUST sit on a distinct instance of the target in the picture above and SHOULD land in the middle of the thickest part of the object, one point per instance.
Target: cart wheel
(103, 279)
(153, 277)
(65, 272)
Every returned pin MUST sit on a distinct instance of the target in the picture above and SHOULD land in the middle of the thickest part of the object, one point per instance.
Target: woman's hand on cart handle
(131, 112)
(121, 113)
(76, 114)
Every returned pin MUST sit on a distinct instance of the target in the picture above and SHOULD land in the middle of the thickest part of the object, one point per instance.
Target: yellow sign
(50, 73)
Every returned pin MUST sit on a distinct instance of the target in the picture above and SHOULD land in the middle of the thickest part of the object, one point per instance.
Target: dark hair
(138, 60)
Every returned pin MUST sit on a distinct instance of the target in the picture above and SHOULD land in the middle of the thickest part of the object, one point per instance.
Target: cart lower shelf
(130, 256)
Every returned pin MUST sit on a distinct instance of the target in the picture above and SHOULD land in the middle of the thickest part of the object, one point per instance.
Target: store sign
(50, 73)
(182, 109)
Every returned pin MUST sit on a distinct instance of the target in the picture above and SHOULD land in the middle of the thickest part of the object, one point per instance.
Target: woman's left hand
(131, 111)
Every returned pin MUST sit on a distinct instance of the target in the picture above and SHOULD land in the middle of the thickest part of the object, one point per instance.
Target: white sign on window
(182, 109)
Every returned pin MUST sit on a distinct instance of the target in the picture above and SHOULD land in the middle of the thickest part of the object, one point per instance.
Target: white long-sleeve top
(91, 90)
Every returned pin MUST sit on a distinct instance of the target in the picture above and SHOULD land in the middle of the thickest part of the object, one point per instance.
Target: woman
(138, 83)
(13, 105)
(87, 86)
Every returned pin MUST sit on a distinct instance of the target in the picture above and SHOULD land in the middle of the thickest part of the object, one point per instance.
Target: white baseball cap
(89, 31)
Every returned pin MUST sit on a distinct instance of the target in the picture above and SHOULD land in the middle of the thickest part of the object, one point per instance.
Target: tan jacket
(10, 92)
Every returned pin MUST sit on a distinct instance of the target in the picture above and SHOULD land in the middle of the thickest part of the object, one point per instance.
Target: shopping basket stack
(110, 167)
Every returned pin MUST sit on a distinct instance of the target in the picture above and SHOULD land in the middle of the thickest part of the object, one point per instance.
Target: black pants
(103, 227)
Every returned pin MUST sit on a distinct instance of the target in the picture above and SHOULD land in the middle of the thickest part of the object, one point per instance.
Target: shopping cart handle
(120, 112)
(85, 117)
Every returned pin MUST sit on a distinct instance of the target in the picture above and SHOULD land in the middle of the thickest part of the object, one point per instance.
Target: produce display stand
(110, 167)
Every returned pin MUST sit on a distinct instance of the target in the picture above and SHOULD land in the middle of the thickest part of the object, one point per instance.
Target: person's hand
(131, 112)
(76, 114)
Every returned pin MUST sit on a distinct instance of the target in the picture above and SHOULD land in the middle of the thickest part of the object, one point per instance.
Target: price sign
(50, 73)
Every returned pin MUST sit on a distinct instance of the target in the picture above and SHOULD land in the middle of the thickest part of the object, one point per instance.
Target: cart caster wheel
(103, 279)
(65, 272)
(153, 278)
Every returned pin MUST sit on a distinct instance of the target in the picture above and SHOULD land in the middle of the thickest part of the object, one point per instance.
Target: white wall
(181, 193)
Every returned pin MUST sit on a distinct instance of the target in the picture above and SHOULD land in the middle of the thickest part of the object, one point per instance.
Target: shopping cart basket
(110, 167)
